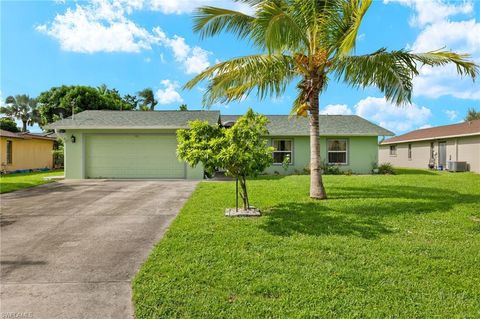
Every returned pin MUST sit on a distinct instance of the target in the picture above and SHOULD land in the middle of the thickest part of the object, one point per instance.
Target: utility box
(457, 166)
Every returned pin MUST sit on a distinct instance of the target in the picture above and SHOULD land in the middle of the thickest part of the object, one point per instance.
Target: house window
(283, 149)
(410, 151)
(337, 151)
(393, 150)
(9, 152)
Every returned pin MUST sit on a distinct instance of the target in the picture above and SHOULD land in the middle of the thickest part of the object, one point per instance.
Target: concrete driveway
(71, 249)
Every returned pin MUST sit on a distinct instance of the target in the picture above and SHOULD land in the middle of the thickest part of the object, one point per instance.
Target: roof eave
(117, 127)
(387, 142)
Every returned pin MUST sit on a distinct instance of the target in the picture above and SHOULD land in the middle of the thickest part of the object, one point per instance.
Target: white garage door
(132, 156)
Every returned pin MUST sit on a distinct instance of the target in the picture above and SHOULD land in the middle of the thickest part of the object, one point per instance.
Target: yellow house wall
(27, 154)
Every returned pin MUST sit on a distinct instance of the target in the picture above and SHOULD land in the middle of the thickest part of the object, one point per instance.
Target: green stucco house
(134, 144)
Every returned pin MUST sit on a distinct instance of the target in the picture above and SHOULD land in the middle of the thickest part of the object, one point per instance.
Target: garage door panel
(132, 156)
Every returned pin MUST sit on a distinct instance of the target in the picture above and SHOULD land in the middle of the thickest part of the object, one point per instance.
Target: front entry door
(442, 154)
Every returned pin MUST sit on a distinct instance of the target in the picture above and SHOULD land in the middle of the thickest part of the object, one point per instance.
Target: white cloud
(437, 82)
(197, 61)
(432, 11)
(188, 6)
(336, 109)
(99, 26)
(463, 36)
(104, 26)
(169, 94)
(451, 114)
(390, 116)
(439, 31)
(179, 47)
(194, 60)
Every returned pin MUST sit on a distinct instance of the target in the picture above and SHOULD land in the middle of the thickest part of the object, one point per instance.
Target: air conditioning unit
(457, 166)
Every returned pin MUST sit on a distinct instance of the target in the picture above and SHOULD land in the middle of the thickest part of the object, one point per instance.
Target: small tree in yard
(241, 150)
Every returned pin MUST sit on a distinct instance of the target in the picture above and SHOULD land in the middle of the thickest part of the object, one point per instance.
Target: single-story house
(133, 144)
(26, 151)
(437, 147)
(348, 141)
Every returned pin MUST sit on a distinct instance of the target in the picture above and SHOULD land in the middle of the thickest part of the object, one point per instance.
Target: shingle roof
(26, 135)
(333, 125)
(4, 133)
(453, 130)
(134, 119)
(279, 124)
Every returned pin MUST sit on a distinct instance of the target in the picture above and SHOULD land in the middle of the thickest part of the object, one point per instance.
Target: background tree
(59, 102)
(8, 124)
(131, 100)
(241, 150)
(183, 107)
(147, 99)
(113, 98)
(102, 89)
(310, 42)
(23, 108)
(472, 115)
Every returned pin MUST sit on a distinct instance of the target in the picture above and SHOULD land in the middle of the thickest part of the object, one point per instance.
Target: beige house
(26, 151)
(442, 147)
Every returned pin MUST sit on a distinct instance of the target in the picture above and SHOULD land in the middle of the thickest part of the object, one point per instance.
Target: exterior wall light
(73, 138)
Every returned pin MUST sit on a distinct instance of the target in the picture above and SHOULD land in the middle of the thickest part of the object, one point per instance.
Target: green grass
(13, 182)
(403, 246)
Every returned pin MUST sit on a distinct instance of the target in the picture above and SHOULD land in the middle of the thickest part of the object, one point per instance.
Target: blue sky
(131, 45)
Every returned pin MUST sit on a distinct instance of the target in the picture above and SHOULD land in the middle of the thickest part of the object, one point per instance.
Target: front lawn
(404, 246)
(13, 182)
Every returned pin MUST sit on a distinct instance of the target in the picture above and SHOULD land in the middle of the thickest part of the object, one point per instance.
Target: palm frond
(277, 27)
(393, 72)
(339, 23)
(236, 78)
(353, 16)
(465, 66)
(300, 107)
(210, 21)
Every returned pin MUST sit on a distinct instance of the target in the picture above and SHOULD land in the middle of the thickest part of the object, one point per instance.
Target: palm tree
(147, 99)
(472, 115)
(23, 108)
(102, 89)
(310, 42)
(183, 107)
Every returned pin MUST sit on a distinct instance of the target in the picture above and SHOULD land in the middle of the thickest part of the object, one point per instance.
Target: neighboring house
(26, 151)
(436, 146)
(132, 144)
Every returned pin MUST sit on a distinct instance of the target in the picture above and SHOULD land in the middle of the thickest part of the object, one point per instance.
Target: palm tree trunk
(317, 190)
(24, 126)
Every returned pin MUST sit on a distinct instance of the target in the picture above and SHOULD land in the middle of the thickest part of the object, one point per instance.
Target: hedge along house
(134, 144)
(348, 141)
